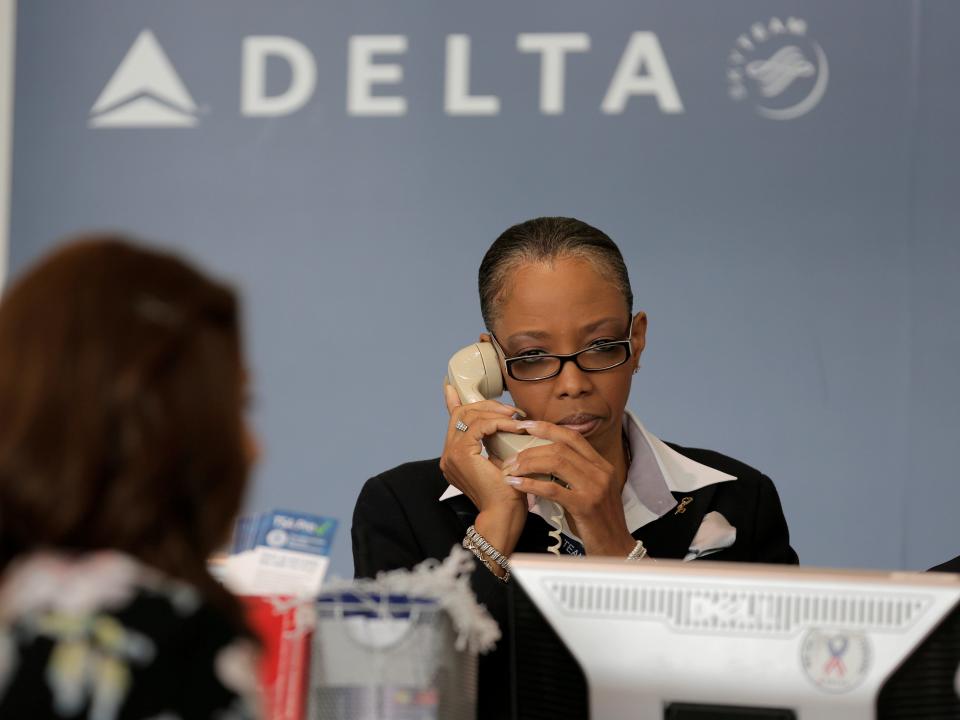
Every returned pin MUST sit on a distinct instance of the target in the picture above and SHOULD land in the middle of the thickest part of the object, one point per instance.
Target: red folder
(285, 662)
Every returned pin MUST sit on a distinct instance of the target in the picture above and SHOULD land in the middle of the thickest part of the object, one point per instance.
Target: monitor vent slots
(763, 610)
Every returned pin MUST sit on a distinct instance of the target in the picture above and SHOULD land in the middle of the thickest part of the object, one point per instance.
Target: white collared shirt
(656, 472)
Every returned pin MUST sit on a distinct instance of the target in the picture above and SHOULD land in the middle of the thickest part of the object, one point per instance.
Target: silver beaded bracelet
(487, 548)
(486, 553)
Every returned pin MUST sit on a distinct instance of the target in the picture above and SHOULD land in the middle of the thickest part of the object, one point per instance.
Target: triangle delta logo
(144, 92)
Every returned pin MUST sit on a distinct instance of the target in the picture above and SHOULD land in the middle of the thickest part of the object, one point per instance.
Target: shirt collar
(656, 472)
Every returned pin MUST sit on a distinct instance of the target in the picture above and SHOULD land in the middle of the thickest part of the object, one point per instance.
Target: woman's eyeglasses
(595, 358)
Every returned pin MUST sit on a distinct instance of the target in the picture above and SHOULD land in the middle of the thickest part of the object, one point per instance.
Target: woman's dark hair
(121, 409)
(545, 240)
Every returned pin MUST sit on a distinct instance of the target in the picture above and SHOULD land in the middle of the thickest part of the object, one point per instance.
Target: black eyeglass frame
(564, 359)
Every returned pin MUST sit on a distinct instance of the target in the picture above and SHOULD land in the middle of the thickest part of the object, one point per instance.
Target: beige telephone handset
(474, 372)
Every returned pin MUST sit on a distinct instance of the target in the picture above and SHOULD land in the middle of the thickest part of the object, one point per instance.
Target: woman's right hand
(503, 510)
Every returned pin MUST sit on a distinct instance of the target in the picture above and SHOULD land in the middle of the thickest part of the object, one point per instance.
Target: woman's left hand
(593, 498)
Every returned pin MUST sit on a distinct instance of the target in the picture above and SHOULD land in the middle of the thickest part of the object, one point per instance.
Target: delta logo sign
(774, 66)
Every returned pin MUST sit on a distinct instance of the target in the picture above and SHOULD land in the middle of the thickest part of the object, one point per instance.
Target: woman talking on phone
(557, 303)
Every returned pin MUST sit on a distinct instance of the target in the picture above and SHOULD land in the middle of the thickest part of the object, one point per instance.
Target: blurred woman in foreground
(123, 460)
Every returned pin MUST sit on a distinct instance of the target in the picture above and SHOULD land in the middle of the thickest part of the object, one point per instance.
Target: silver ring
(461, 426)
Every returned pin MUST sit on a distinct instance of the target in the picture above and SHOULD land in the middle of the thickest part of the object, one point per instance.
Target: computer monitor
(606, 639)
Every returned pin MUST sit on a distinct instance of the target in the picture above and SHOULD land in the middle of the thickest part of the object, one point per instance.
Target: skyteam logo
(144, 92)
(777, 66)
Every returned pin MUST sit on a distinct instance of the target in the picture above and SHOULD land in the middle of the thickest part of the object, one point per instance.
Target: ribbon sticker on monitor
(835, 661)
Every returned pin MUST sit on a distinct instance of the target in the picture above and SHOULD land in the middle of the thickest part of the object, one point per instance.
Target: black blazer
(949, 566)
(399, 521)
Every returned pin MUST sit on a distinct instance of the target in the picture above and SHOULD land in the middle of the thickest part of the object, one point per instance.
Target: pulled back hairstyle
(546, 240)
(121, 409)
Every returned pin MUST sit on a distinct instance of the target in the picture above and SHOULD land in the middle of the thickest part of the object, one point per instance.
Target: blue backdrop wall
(781, 176)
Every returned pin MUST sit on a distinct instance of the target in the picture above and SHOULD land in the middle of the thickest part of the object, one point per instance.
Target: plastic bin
(388, 658)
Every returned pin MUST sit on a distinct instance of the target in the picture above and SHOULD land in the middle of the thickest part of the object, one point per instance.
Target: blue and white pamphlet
(279, 553)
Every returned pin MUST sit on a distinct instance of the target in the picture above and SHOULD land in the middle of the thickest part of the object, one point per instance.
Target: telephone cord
(556, 519)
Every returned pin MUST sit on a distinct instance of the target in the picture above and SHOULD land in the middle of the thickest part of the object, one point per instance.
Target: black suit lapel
(464, 511)
(669, 536)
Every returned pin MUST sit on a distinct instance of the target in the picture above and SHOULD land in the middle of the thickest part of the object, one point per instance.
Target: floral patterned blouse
(102, 637)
